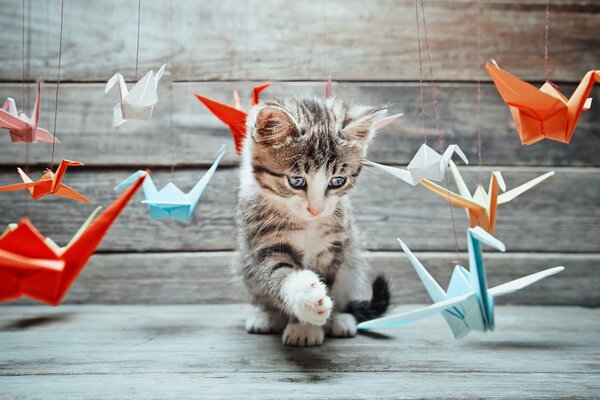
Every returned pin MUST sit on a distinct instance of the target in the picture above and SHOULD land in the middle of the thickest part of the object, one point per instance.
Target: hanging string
(479, 152)
(171, 134)
(438, 124)
(137, 51)
(546, 67)
(24, 92)
(62, 14)
(421, 74)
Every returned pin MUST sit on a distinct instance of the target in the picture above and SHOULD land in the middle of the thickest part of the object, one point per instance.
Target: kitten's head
(306, 154)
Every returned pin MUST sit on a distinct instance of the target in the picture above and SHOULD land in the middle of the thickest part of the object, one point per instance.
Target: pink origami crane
(20, 126)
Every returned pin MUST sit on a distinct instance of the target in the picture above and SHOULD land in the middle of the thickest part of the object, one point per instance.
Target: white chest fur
(310, 242)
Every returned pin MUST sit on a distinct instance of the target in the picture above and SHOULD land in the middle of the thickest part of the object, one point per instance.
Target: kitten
(299, 252)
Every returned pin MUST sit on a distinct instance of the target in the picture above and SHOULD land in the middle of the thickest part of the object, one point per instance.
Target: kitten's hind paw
(343, 325)
(306, 297)
(302, 335)
(264, 322)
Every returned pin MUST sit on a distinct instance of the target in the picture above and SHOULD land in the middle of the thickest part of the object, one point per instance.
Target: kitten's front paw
(302, 335)
(343, 325)
(264, 322)
(306, 297)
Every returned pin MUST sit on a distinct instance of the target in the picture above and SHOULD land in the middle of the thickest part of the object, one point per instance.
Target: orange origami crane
(545, 112)
(49, 183)
(481, 207)
(38, 268)
(234, 117)
(20, 126)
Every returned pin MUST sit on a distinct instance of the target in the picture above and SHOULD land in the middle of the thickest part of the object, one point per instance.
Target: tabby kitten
(299, 252)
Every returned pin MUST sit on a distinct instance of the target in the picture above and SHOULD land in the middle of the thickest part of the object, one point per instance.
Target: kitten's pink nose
(314, 212)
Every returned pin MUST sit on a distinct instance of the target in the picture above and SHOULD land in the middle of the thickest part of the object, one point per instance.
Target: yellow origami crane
(544, 112)
(481, 206)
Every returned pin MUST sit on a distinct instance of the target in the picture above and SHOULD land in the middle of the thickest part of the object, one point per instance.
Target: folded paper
(139, 102)
(40, 269)
(21, 127)
(545, 112)
(49, 183)
(468, 305)
(170, 201)
(481, 206)
(233, 116)
(426, 164)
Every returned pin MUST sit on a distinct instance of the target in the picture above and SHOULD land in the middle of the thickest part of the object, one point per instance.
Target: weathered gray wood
(200, 278)
(84, 125)
(203, 351)
(277, 40)
(560, 215)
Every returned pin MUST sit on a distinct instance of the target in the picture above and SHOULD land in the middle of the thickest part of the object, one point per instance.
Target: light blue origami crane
(170, 201)
(469, 304)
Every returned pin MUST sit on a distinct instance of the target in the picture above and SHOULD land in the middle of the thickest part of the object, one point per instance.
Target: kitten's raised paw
(264, 322)
(343, 325)
(302, 335)
(306, 297)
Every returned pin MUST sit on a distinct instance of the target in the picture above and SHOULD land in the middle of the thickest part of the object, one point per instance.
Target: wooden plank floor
(201, 351)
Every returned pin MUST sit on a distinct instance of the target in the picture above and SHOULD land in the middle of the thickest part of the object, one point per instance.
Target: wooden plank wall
(370, 48)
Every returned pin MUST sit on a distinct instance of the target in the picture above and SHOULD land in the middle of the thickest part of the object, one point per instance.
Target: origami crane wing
(145, 92)
(414, 315)
(521, 283)
(513, 193)
(17, 261)
(196, 193)
(9, 118)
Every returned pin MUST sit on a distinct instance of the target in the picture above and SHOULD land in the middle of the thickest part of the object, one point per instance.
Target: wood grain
(560, 215)
(208, 278)
(187, 351)
(279, 40)
(84, 125)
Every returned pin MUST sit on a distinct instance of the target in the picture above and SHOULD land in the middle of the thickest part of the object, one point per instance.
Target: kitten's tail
(365, 310)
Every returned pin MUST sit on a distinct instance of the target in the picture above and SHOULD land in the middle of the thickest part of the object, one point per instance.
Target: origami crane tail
(10, 106)
(79, 252)
(433, 288)
(399, 173)
(159, 74)
(496, 183)
(230, 116)
(44, 136)
(256, 92)
(450, 196)
(196, 193)
(579, 100)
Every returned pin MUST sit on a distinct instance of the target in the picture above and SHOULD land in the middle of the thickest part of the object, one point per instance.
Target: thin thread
(324, 43)
(62, 13)
(137, 51)
(546, 67)
(479, 147)
(171, 134)
(23, 62)
(439, 127)
(421, 74)
(23, 103)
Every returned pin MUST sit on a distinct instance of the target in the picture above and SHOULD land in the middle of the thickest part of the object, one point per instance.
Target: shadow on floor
(34, 322)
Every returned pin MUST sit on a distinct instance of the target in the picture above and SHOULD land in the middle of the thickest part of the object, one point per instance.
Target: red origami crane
(234, 117)
(49, 183)
(20, 126)
(38, 268)
(545, 112)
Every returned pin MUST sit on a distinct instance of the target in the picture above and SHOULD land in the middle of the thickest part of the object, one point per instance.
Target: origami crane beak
(73, 163)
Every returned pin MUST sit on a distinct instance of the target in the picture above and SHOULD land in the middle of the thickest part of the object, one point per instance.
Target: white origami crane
(139, 102)
(469, 304)
(426, 164)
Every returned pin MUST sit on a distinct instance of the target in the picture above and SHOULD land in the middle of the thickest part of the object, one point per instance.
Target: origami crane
(20, 126)
(49, 183)
(140, 101)
(380, 124)
(544, 113)
(481, 206)
(38, 268)
(170, 201)
(233, 116)
(426, 164)
(469, 304)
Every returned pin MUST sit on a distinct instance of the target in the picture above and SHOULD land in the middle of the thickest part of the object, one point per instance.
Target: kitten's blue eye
(337, 182)
(297, 182)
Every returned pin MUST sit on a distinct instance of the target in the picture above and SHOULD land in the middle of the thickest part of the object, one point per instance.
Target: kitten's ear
(361, 126)
(274, 125)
